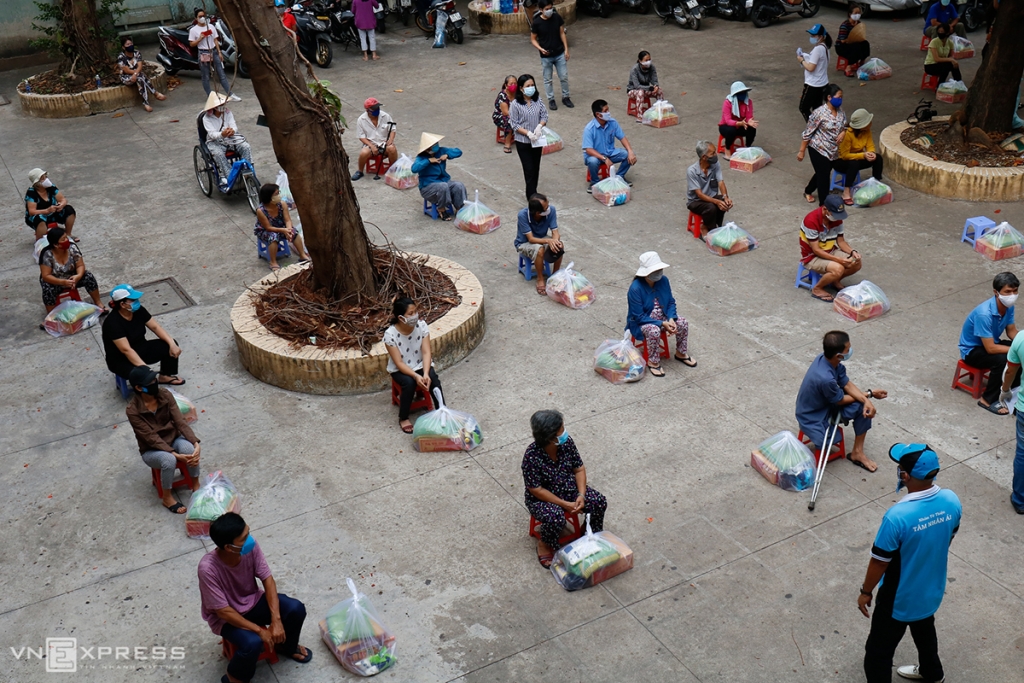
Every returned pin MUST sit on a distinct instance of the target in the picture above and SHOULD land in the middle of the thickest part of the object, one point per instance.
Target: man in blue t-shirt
(537, 237)
(599, 138)
(943, 12)
(981, 345)
(909, 559)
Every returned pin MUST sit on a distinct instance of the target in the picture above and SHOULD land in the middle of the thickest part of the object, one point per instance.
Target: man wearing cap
(45, 204)
(222, 134)
(909, 560)
(436, 186)
(826, 389)
(203, 35)
(376, 130)
(124, 338)
(824, 249)
(165, 439)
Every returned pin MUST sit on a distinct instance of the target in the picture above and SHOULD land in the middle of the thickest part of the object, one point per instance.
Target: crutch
(826, 451)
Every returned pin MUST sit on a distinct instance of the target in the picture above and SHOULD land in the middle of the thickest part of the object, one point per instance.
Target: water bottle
(28, 87)
(99, 82)
(506, 6)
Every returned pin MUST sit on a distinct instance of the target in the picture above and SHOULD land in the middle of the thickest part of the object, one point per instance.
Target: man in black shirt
(124, 338)
(548, 36)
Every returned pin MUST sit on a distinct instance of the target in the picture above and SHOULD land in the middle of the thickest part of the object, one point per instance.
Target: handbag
(205, 56)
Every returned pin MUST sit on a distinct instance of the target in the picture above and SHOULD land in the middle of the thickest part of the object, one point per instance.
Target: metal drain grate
(162, 296)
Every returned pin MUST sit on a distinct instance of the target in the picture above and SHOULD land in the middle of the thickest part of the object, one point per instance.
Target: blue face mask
(375, 111)
(247, 547)
(742, 96)
(945, 3)
(529, 91)
(814, 40)
(836, 102)
(849, 354)
(435, 149)
(563, 437)
(136, 305)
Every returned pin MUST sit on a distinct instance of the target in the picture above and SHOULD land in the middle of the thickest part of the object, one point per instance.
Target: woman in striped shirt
(528, 115)
(825, 130)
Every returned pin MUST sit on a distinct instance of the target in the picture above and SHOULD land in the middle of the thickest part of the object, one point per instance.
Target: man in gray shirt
(706, 194)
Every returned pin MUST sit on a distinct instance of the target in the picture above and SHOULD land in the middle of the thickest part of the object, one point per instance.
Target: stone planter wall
(510, 24)
(99, 101)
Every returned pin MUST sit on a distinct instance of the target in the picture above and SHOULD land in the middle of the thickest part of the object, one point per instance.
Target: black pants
(812, 98)
(995, 362)
(150, 351)
(886, 633)
(851, 166)
(942, 70)
(710, 215)
(408, 385)
(530, 156)
(249, 645)
(854, 53)
(60, 218)
(730, 133)
(822, 178)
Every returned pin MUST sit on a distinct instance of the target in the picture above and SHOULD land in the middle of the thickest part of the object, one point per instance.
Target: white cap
(650, 262)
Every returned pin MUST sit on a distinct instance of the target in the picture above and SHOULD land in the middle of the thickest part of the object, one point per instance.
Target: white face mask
(646, 65)
(1008, 299)
(605, 116)
(547, 13)
(411, 319)
(855, 17)
(201, 21)
(546, 212)
(46, 183)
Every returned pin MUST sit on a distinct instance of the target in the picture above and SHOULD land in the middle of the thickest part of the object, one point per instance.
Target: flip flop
(821, 298)
(508, 150)
(176, 509)
(848, 202)
(274, 269)
(688, 362)
(542, 290)
(859, 464)
(657, 371)
(546, 560)
(175, 382)
(994, 408)
(304, 660)
(809, 198)
(407, 429)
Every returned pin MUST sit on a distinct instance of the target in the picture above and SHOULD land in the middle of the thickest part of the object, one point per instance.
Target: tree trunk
(993, 94)
(81, 29)
(308, 147)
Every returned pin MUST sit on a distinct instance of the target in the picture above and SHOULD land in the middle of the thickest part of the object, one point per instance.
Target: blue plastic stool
(975, 228)
(526, 268)
(262, 249)
(837, 180)
(122, 385)
(431, 209)
(805, 277)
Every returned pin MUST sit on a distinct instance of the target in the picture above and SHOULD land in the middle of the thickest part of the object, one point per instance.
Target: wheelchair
(241, 179)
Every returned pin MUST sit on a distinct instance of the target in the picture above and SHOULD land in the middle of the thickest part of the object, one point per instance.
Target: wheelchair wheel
(203, 174)
(252, 191)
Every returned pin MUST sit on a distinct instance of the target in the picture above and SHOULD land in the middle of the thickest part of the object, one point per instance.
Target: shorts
(820, 265)
(60, 217)
(529, 250)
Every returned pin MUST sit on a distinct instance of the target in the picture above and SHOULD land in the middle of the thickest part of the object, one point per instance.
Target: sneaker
(910, 671)
(357, 175)
(590, 190)
(567, 102)
(234, 98)
(552, 106)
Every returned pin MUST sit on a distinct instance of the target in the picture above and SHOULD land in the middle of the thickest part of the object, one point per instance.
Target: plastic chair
(975, 228)
(603, 171)
(732, 149)
(499, 136)
(841, 63)
(186, 479)
(924, 43)
(420, 398)
(693, 224)
(976, 377)
(378, 165)
(70, 294)
(263, 250)
(631, 106)
(526, 268)
(838, 447)
(805, 278)
(663, 345)
(269, 655)
(838, 178)
(122, 385)
(929, 82)
(431, 210)
(572, 518)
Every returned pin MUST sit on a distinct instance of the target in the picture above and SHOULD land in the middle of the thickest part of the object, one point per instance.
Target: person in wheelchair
(222, 136)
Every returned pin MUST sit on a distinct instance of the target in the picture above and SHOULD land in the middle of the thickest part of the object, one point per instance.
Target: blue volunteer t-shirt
(943, 14)
(914, 539)
(984, 321)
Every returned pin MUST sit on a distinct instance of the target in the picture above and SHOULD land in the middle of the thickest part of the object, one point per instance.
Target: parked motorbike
(764, 12)
(341, 22)
(402, 9)
(638, 6)
(176, 54)
(443, 11)
(312, 35)
(732, 9)
(686, 13)
(973, 13)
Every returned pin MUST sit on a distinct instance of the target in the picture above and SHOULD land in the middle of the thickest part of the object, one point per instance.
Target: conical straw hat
(427, 141)
(214, 100)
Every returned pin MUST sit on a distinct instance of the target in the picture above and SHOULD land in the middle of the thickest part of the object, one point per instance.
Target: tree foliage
(78, 31)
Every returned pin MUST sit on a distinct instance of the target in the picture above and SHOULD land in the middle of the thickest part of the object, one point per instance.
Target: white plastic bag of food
(71, 317)
(569, 288)
(861, 301)
(400, 176)
(475, 217)
(873, 70)
(661, 114)
(784, 461)
(612, 191)
(618, 361)
(355, 635)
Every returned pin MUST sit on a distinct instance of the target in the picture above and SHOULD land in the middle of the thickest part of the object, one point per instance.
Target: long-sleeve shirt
(855, 143)
(639, 79)
(641, 298)
(215, 124)
(746, 112)
(434, 173)
(823, 129)
(526, 116)
(157, 430)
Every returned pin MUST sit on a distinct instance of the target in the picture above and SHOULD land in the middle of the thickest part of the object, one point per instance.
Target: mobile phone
(207, 32)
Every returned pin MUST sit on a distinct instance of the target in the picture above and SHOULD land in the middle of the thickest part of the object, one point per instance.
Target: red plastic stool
(929, 82)
(732, 149)
(976, 377)
(186, 479)
(573, 520)
(499, 136)
(377, 165)
(693, 224)
(841, 63)
(268, 655)
(924, 43)
(602, 172)
(631, 106)
(662, 345)
(420, 400)
(838, 447)
(68, 295)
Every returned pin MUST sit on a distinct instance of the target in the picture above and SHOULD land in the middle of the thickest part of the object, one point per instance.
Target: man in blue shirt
(909, 558)
(826, 389)
(943, 12)
(981, 345)
(537, 237)
(599, 138)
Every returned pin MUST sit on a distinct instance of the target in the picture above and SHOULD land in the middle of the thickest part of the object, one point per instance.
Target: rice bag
(400, 175)
(71, 317)
(354, 634)
(729, 239)
(951, 91)
(619, 361)
(784, 461)
(861, 301)
(549, 140)
(749, 159)
(962, 48)
(475, 217)
(214, 498)
(286, 191)
(186, 406)
(612, 191)
(661, 115)
(445, 429)
(871, 192)
(590, 560)
(1002, 241)
(569, 288)
(873, 70)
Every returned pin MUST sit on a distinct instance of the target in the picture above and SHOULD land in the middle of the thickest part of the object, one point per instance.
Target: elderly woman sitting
(556, 483)
(857, 151)
(436, 186)
(651, 308)
(62, 268)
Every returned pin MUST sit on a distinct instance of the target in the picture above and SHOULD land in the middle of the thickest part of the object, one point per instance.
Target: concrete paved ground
(734, 579)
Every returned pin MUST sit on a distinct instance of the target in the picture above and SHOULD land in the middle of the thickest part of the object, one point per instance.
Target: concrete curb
(99, 101)
(515, 23)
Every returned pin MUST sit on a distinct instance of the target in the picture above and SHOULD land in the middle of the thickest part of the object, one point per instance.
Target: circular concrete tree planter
(97, 101)
(514, 23)
(312, 370)
(943, 179)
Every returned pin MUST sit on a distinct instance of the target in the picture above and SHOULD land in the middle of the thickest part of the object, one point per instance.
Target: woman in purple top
(366, 22)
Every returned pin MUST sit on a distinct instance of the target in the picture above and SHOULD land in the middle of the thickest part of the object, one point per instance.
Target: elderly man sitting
(823, 247)
(376, 130)
(706, 193)
(537, 237)
(222, 134)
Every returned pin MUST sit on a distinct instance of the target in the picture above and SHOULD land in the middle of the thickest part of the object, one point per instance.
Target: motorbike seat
(176, 33)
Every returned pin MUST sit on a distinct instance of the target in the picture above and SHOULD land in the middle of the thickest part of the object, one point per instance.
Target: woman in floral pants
(652, 308)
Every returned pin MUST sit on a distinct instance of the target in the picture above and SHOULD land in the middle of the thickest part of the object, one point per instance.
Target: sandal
(508, 150)
(176, 509)
(656, 370)
(274, 268)
(546, 560)
(406, 428)
(809, 198)
(687, 361)
(827, 298)
(299, 657)
(174, 381)
(994, 408)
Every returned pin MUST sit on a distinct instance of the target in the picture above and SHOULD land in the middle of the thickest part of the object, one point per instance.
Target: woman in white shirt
(408, 345)
(815, 65)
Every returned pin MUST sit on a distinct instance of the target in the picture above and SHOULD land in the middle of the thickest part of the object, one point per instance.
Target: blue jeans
(619, 156)
(204, 69)
(563, 75)
(1017, 497)
(248, 644)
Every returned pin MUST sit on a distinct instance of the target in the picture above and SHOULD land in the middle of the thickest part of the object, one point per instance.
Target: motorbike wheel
(252, 190)
(171, 72)
(324, 53)
(695, 23)
(761, 14)
(662, 9)
(809, 8)
(604, 9)
(643, 8)
(421, 23)
(404, 14)
(973, 18)
(243, 70)
(458, 36)
(382, 24)
(203, 174)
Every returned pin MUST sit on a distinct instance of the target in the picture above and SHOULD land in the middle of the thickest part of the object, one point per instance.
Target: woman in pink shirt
(366, 23)
(737, 118)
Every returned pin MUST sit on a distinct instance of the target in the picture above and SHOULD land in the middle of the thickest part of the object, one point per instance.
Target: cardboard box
(859, 313)
(748, 166)
(765, 466)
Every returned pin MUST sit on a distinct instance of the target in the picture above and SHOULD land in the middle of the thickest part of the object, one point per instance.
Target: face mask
(511, 87)
(712, 160)
(836, 102)
(201, 21)
(411, 319)
(1005, 299)
(546, 212)
(151, 389)
(218, 110)
(855, 17)
(849, 354)
(945, 3)
(46, 183)
(249, 544)
(563, 437)
(943, 36)
(655, 276)
(435, 149)
(135, 305)
(605, 116)
(529, 91)
(742, 96)
(375, 111)
(128, 49)
(64, 244)
(814, 40)
(276, 199)
(548, 12)
(646, 65)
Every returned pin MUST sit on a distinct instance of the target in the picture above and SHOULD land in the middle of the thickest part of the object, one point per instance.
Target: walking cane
(826, 451)
(387, 135)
